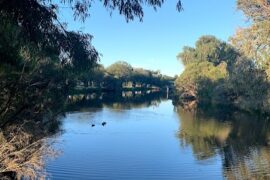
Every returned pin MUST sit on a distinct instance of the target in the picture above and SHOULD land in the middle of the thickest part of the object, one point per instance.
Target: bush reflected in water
(242, 140)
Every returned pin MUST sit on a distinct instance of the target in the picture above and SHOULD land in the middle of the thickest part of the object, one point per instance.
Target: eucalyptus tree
(251, 75)
(253, 41)
(208, 48)
(208, 63)
(187, 56)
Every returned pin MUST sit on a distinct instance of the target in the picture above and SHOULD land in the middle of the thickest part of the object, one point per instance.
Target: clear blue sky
(155, 42)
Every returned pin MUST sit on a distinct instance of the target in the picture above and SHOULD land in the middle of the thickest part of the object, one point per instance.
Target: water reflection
(116, 101)
(242, 140)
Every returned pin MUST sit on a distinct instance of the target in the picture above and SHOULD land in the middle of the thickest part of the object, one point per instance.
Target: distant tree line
(235, 73)
(122, 75)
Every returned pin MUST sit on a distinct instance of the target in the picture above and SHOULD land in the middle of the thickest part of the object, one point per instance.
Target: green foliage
(120, 70)
(121, 74)
(253, 41)
(187, 56)
(207, 65)
(208, 48)
(218, 74)
(200, 78)
(249, 85)
(250, 77)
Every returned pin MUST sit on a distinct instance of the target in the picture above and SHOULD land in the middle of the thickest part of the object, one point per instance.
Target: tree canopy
(256, 10)
(216, 72)
(39, 24)
(121, 75)
(208, 48)
(253, 41)
(120, 69)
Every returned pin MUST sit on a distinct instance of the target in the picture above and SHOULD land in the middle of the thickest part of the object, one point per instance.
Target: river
(135, 135)
(153, 139)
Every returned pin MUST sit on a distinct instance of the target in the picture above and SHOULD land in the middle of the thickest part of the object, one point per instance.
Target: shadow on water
(242, 140)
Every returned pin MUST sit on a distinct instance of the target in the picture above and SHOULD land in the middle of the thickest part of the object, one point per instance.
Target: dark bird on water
(103, 123)
(93, 125)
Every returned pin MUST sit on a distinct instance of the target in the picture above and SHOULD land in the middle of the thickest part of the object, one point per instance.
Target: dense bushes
(222, 77)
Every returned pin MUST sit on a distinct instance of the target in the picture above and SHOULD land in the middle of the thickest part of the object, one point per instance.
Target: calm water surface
(156, 140)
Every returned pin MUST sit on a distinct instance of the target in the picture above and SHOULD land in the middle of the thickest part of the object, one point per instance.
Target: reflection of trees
(126, 100)
(254, 165)
(204, 135)
(241, 139)
(24, 148)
